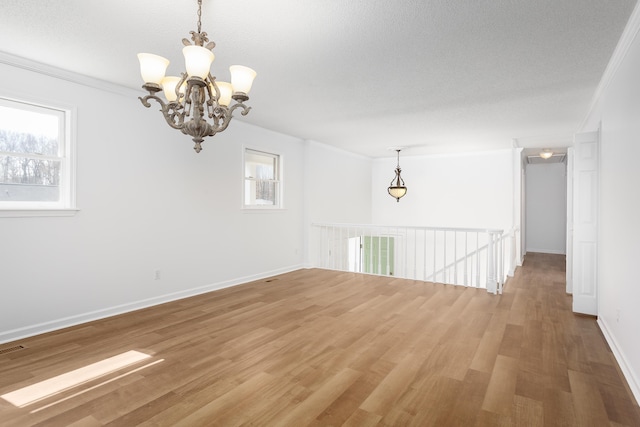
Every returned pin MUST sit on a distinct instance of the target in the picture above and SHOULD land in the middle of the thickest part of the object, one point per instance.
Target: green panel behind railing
(378, 254)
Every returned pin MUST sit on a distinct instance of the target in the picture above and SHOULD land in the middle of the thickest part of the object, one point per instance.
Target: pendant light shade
(397, 191)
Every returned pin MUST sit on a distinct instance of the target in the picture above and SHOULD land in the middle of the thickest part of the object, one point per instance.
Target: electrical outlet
(157, 275)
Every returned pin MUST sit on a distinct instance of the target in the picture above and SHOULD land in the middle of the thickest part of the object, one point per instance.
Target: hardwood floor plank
(393, 385)
(489, 346)
(588, 404)
(361, 418)
(316, 403)
(526, 411)
(511, 343)
(467, 401)
(558, 408)
(346, 408)
(502, 386)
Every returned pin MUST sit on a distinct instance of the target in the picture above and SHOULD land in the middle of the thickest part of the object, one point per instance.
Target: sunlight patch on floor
(36, 392)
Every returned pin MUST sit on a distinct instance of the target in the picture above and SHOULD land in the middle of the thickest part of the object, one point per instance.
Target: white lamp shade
(152, 67)
(241, 78)
(197, 61)
(169, 87)
(397, 192)
(225, 93)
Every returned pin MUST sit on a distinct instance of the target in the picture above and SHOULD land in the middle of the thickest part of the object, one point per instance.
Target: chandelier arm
(165, 109)
(223, 121)
(245, 109)
(226, 118)
(179, 95)
(212, 79)
(173, 116)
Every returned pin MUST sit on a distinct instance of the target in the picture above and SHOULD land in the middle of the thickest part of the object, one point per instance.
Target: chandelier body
(196, 104)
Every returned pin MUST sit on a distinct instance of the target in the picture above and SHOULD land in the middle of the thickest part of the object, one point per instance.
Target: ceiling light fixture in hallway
(397, 188)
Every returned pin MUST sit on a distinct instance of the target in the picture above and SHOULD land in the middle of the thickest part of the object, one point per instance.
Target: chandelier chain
(199, 16)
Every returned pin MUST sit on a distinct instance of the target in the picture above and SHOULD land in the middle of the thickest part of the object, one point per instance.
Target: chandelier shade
(169, 84)
(397, 189)
(226, 91)
(152, 68)
(195, 103)
(197, 61)
(242, 78)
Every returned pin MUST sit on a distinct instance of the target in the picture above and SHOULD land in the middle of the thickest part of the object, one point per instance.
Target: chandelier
(397, 189)
(196, 104)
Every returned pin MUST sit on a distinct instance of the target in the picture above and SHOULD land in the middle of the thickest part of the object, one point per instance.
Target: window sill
(42, 212)
(262, 210)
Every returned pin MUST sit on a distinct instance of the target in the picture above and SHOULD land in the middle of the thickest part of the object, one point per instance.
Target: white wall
(147, 202)
(472, 190)
(618, 109)
(546, 206)
(337, 185)
(337, 190)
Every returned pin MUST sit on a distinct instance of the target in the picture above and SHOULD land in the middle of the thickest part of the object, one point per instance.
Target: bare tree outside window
(32, 149)
(24, 177)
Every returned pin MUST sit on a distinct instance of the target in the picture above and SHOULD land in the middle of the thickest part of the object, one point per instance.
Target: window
(35, 157)
(262, 185)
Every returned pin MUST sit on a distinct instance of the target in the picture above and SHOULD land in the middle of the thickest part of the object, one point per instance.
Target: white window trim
(263, 208)
(67, 204)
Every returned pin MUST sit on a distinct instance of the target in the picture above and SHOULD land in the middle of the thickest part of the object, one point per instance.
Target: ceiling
(364, 75)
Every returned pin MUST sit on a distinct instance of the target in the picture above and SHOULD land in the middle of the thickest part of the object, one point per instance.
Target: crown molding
(59, 73)
(619, 54)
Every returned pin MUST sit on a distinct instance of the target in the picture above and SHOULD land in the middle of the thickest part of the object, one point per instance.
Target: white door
(585, 222)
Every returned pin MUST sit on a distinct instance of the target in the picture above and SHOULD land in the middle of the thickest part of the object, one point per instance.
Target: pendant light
(397, 189)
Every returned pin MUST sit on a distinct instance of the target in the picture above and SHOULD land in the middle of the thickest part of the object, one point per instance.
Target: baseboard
(54, 325)
(547, 251)
(627, 371)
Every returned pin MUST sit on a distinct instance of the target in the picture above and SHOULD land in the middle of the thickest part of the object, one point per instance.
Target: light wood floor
(320, 348)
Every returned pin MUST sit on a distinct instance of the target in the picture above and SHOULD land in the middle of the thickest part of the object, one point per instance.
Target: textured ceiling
(363, 75)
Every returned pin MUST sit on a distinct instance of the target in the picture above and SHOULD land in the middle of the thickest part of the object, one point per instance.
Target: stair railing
(481, 258)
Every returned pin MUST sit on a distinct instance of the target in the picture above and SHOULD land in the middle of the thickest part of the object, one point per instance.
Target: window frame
(278, 172)
(66, 115)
